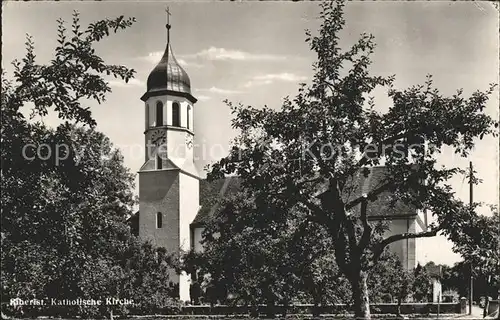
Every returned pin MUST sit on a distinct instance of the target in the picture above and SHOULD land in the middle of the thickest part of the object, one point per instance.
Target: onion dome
(169, 75)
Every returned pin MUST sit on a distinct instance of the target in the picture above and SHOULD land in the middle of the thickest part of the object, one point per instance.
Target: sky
(255, 53)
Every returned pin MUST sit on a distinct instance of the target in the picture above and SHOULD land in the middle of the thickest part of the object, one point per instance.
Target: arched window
(188, 116)
(158, 162)
(159, 220)
(159, 114)
(176, 114)
(147, 116)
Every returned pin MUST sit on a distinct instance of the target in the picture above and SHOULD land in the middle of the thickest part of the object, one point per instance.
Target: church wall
(419, 243)
(188, 205)
(412, 246)
(404, 249)
(176, 146)
(197, 237)
(436, 291)
(159, 192)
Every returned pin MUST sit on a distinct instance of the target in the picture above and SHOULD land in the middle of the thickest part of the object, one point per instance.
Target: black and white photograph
(250, 159)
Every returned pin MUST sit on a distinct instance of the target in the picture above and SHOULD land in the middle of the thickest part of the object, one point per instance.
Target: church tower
(168, 179)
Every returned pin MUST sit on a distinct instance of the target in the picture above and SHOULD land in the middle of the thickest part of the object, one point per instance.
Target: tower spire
(168, 73)
(168, 24)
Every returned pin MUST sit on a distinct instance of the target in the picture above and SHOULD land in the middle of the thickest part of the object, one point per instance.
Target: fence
(380, 308)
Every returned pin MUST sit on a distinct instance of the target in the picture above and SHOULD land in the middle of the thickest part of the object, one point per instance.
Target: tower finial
(168, 24)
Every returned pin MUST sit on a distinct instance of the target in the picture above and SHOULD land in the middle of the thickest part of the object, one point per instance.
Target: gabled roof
(209, 193)
(385, 206)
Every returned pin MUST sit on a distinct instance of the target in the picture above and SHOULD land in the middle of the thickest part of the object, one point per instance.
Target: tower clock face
(189, 141)
(158, 137)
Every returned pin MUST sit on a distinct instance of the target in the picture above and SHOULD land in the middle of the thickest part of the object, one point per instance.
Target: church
(172, 193)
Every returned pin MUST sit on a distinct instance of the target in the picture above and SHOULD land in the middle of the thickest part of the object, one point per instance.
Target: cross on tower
(168, 23)
(168, 16)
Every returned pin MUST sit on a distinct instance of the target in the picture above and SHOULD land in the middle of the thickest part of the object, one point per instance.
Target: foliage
(389, 282)
(65, 192)
(453, 278)
(75, 73)
(478, 241)
(422, 285)
(282, 262)
(457, 279)
(451, 296)
(300, 161)
(265, 262)
(240, 260)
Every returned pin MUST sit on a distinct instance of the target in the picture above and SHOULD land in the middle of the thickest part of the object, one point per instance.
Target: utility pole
(470, 203)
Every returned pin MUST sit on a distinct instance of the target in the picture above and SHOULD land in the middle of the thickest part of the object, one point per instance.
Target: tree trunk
(271, 310)
(360, 295)
(399, 307)
(316, 295)
(315, 310)
(285, 308)
(400, 296)
(254, 310)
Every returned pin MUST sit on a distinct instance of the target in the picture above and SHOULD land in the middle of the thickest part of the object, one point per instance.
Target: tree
(403, 284)
(453, 279)
(65, 191)
(389, 282)
(270, 266)
(478, 241)
(422, 285)
(255, 269)
(303, 158)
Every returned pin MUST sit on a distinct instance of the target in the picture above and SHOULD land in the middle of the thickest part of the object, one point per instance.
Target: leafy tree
(422, 285)
(453, 278)
(451, 295)
(321, 280)
(403, 285)
(270, 266)
(389, 282)
(241, 262)
(303, 158)
(65, 192)
(478, 241)
(292, 265)
(447, 279)
(147, 269)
